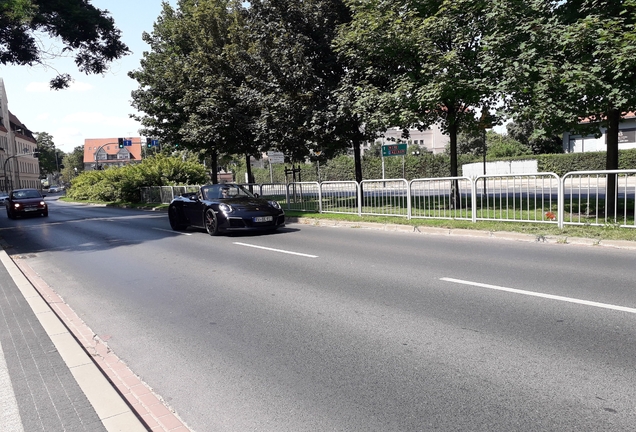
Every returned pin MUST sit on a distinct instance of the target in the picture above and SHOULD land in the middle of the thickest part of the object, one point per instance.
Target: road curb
(503, 235)
(112, 410)
(143, 403)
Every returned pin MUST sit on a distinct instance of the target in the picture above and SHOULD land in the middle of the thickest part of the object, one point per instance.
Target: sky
(95, 106)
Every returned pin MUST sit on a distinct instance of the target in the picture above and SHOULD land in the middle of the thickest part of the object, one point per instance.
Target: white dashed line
(173, 232)
(543, 295)
(276, 250)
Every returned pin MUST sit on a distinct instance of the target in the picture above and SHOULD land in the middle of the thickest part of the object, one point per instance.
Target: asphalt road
(340, 329)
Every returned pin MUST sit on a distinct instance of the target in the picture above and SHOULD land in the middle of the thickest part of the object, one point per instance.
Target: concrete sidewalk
(48, 382)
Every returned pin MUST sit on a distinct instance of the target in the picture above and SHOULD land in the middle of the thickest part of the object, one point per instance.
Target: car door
(193, 209)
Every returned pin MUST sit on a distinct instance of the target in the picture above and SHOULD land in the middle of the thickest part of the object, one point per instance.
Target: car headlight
(42, 203)
(226, 208)
(274, 204)
(16, 205)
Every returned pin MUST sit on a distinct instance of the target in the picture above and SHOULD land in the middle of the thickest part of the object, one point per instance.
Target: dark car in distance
(225, 208)
(26, 202)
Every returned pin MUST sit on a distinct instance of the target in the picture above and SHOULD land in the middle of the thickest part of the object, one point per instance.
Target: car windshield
(224, 191)
(26, 194)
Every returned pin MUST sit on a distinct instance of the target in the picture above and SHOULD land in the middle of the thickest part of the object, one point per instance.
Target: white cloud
(97, 118)
(77, 86)
(43, 116)
(38, 87)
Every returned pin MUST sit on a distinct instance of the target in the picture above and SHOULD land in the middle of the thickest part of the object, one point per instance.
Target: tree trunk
(214, 166)
(611, 162)
(248, 167)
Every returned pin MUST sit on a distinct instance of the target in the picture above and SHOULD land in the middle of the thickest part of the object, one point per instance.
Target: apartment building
(18, 167)
(431, 140)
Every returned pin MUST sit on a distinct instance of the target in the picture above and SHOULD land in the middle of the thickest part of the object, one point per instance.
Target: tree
(190, 87)
(49, 158)
(73, 164)
(502, 146)
(83, 29)
(524, 132)
(414, 64)
(295, 74)
(571, 66)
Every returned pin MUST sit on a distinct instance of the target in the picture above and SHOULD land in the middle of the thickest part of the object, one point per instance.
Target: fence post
(561, 202)
(408, 200)
(473, 198)
(359, 193)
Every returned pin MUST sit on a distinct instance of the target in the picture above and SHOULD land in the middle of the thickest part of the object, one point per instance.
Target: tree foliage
(525, 133)
(295, 72)
(73, 164)
(50, 158)
(191, 81)
(418, 63)
(571, 66)
(83, 29)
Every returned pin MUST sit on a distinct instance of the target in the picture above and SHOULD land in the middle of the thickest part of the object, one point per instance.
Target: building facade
(18, 167)
(101, 153)
(626, 138)
(431, 140)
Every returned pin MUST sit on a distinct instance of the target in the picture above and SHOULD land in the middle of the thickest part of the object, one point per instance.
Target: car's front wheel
(10, 215)
(211, 222)
(173, 217)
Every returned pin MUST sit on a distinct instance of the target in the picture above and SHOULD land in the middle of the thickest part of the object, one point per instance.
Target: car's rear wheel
(173, 217)
(211, 222)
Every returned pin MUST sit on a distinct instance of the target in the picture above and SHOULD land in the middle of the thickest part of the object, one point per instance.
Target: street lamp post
(6, 181)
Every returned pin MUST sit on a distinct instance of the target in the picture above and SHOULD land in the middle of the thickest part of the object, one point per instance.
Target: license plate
(31, 209)
(263, 219)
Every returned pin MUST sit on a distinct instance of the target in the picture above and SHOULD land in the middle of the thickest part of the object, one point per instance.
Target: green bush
(124, 184)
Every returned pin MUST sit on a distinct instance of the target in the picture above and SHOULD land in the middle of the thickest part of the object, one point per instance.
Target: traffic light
(148, 142)
(121, 142)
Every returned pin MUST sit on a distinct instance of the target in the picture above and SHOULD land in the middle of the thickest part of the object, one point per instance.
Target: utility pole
(6, 180)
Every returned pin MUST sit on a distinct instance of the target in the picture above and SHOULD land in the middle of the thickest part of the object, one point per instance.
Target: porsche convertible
(224, 208)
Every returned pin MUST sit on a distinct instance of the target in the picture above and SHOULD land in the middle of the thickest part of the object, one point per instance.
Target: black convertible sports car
(225, 207)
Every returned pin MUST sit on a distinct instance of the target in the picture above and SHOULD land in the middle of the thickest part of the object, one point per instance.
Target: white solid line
(276, 250)
(173, 232)
(542, 295)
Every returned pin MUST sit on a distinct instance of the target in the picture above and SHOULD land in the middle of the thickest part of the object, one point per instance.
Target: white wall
(500, 167)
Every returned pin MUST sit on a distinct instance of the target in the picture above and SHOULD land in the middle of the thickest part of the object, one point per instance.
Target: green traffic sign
(394, 150)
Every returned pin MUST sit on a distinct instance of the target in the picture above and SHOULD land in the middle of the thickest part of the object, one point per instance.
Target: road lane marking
(276, 250)
(543, 295)
(173, 232)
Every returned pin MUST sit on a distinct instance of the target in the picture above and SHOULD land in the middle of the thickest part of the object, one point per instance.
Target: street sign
(276, 157)
(127, 142)
(394, 150)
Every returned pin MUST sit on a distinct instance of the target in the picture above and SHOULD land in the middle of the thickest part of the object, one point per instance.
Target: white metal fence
(577, 198)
